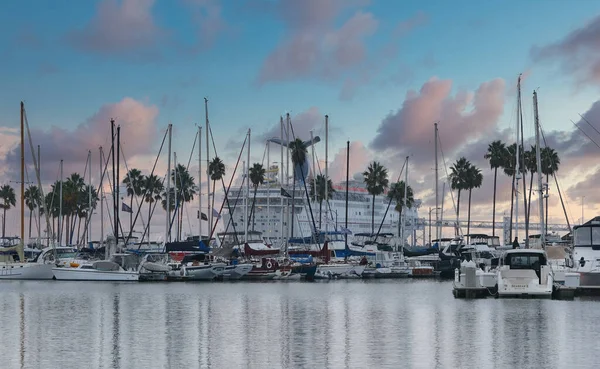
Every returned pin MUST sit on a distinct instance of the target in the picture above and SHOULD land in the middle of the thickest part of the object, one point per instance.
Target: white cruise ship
(269, 220)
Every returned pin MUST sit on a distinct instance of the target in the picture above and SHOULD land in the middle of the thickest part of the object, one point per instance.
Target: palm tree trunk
(529, 199)
(469, 213)
(149, 215)
(4, 223)
(512, 205)
(526, 214)
(252, 213)
(373, 216)
(212, 206)
(30, 216)
(180, 222)
(547, 178)
(79, 240)
(457, 213)
(494, 206)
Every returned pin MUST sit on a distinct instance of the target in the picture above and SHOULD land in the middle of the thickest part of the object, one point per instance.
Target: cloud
(327, 40)
(578, 53)
(138, 135)
(120, 27)
(209, 21)
(462, 117)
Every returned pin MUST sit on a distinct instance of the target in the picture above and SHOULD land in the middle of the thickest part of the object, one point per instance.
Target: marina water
(330, 324)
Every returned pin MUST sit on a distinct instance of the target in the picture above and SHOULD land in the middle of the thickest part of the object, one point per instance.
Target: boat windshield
(524, 260)
(587, 236)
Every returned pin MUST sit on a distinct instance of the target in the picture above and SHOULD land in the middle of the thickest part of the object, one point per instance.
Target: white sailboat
(9, 269)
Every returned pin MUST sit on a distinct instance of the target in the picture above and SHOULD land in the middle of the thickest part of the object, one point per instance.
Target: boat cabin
(525, 259)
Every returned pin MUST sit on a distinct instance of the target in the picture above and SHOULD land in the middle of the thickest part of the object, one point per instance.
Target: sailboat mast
(112, 131)
(247, 188)
(60, 206)
(281, 182)
(404, 207)
(269, 189)
(517, 163)
(199, 183)
(22, 243)
(41, 199)
(314, 168)
(116, 184)
(89, 213)
(209, 211)
(168, 189)
(347, 184)
(326, 174)
(538, 159)
(101, 194)
(176, 194)
(437, 200)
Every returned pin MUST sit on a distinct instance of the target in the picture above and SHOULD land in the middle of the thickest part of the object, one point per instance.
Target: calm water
(338, 324)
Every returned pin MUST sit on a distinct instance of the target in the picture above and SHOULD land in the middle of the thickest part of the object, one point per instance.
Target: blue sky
(190, 49)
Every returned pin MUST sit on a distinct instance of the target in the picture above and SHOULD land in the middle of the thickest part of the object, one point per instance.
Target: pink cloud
(359, 159)
(578, 52)
(464, 116)
(138, 137)
(125, 26)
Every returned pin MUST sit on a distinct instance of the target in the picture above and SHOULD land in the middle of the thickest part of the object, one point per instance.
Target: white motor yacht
(586, 253)
(524, 273)
(39, 268)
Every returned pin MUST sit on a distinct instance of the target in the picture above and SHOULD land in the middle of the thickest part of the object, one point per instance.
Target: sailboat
(527, 272)
(9, 269)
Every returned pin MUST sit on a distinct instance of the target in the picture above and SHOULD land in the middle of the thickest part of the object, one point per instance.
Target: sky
(382, 71)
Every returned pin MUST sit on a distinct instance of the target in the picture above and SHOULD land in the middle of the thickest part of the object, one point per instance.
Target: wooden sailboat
(9, 269)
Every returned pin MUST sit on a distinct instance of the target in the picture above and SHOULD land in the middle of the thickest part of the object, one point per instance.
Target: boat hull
(236, 271)
(589, 279)
(26, 271)
(75, 274)
(202, 272)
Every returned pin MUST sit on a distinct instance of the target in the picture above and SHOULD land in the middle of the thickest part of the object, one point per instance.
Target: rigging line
(588, 122)
(448, 179)
(312, 216)
(390, 203)
(146, 191)
(100, 184)
(588, 136)
(226, 190)
(256, 188)
(137, 202)
(557, 182)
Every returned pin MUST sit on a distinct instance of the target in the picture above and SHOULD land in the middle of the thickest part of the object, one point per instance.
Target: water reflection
(353, 324)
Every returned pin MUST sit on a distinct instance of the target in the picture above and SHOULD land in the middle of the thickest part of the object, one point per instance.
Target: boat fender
(269, 265)
(73, 264)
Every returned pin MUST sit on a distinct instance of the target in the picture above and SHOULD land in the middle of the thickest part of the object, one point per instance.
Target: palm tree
(216, 172)
(376, 179)
(299, 152)
(83, 209)
(257, 177)
(133, 182)
(495, 155)
(474, 180)
(550, 164)
(396, 193)
(32, 200)
(8, 200)
(531, 165)
(459, 181)
(509, 168)
(153, 187)
(71, 193)
(320, 191)
(186, 190)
